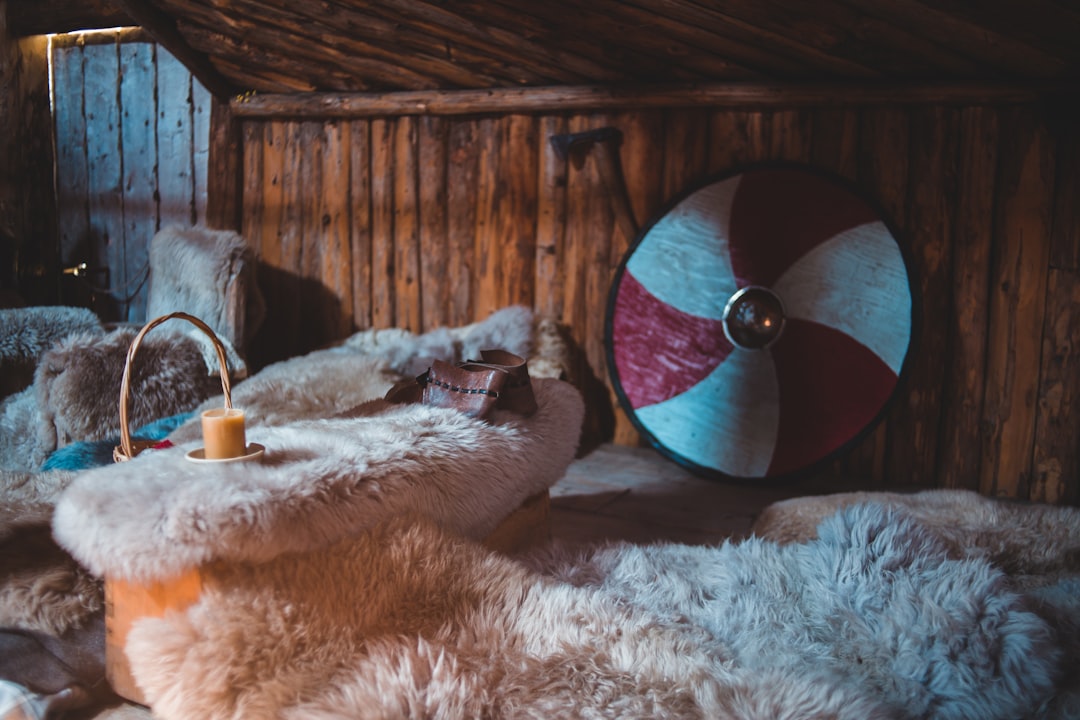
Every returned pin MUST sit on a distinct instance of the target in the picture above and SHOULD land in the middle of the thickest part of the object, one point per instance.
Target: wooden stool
(127, 602)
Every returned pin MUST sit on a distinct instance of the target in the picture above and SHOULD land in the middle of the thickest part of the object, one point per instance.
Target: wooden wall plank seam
(1017, 304)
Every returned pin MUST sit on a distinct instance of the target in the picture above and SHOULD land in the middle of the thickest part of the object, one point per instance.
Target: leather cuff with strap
(499, 379)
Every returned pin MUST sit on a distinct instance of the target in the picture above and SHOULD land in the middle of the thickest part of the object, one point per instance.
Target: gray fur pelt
(78, 383)
(874, 619)
(26, 439)
(211, 274)
(27, 333)
(319, 480)
(1012, 535)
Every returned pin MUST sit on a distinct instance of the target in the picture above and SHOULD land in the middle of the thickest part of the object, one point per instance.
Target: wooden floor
(638, 495)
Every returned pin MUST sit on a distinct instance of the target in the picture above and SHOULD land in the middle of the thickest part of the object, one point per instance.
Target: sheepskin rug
(78, 383)
(319, 480)
(41, 587)
(210, 274)
(874, 618)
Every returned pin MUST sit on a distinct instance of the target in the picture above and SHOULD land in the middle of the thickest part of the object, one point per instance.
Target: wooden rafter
(163, 29)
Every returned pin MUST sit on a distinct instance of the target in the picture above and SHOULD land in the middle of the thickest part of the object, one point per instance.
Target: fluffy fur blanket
(320, 480)
(27, 333)
(210, 274)
(41, 587)
(874, 618)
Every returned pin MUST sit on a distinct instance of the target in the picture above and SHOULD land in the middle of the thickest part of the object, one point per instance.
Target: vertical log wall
(420, 222)
(27, 205)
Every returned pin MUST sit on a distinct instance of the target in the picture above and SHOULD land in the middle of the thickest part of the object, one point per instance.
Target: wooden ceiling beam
(163, 29)
(739, 96)
(45, 17)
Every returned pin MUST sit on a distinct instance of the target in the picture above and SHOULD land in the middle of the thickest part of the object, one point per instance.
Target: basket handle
(125, 384)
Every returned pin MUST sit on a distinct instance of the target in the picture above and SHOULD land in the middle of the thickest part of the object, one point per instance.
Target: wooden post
(225, 178)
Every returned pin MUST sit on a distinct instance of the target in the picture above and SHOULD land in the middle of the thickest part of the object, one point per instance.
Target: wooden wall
(132, 137)
(421, 221)
(27, 205)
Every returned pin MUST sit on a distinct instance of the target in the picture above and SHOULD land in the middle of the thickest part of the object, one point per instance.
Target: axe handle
(611, 175)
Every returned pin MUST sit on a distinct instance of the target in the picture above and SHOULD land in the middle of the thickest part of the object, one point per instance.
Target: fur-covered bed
(336, 602)
(874, 618)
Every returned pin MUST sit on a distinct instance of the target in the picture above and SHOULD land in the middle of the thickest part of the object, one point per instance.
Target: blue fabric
(88, 454)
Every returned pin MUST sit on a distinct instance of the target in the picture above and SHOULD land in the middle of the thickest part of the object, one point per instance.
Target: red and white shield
(761, 324)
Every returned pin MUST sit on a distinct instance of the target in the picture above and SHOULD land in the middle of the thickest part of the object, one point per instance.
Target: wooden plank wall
(421, 222)
(132, 139)
(27, 206)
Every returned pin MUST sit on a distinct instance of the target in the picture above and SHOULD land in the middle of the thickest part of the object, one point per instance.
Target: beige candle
(223, 434)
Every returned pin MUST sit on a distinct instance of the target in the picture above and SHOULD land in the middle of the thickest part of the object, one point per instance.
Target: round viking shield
(761, 324)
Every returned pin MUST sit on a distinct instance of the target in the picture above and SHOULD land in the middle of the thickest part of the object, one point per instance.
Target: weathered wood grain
(1055, 465)
(406, 260)
(104, 182)
(972, 241)
(790, 134)
(649, 56)
(174, 139)
(1065, 234)
(225, 181)
(383, 301)
(163, 29)
(913, 440)
(333, 211)
(519, 170)
(28, 216)
(598, 98)
(435, 281)
(71, 181)
(551, 217)
(737, 138)
(834, 141)
(488, 249)
(288, 303)
(202, 104)
(139, 152)
(1017, 304)
(361, 238)
(462, 175)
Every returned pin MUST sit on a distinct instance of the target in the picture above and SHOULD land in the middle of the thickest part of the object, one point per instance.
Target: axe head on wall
(603, 143)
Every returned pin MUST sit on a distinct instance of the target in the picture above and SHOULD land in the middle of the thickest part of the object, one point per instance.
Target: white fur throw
(320, 481)
(210, 274)
(872, 620)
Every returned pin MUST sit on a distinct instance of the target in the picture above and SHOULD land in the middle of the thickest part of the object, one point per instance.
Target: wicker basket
(127, 449)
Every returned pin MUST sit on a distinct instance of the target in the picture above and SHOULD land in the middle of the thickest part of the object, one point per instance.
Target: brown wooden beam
(225, 181)
(545, 99)
(163, 29)
(43, 17)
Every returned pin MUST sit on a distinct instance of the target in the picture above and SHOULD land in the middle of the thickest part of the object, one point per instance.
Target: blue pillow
(94, 453)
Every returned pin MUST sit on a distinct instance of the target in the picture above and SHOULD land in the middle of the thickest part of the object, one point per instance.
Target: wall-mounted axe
(604, 144)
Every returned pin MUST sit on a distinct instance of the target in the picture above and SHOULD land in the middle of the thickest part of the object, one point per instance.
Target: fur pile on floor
(874, 618)
(42, 588)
